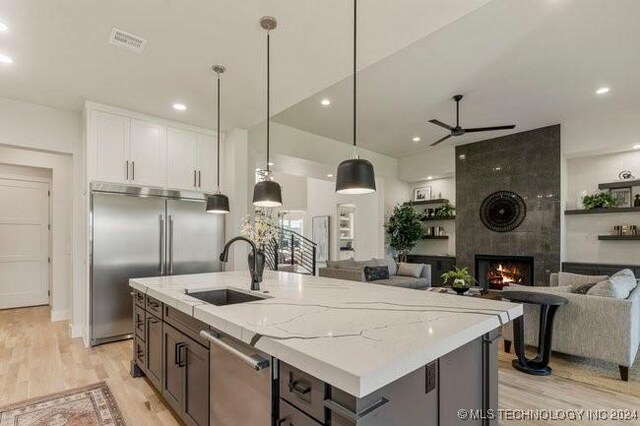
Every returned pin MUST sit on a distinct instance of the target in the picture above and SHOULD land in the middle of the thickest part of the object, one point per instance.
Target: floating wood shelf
(429, 219)
(425, 202)
(619, 184)
(435, 237)
(610, 210)
(619, 237)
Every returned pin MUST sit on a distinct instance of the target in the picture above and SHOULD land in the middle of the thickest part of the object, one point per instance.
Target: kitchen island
(323, 351)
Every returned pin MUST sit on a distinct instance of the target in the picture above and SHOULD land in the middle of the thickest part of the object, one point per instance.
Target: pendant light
(355, 176)
(218, 202)
(267, 193)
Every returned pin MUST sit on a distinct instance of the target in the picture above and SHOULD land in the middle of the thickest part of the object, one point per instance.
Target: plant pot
(259, 263)
(460, 286)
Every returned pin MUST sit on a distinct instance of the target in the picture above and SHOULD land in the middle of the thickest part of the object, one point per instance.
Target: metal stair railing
(293, 250)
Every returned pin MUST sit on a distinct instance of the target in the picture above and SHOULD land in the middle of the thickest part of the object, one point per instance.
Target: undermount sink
(224, 296)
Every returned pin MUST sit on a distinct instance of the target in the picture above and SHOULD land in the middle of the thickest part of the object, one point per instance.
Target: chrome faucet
(224, 257)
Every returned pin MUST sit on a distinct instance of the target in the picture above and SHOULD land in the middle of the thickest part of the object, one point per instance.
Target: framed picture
(320, 236)
(422, 193)
(623, 196)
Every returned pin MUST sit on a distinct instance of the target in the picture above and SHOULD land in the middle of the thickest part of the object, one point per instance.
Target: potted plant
(262, 229)
(460, 278)
(445, 211)
(599, 200)
(404, 229)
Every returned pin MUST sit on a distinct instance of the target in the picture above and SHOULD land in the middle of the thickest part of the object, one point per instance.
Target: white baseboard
(60, 315)
(76, 331)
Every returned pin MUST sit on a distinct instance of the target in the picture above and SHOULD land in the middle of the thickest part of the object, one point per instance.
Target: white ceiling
(532, 63)
(62, 56)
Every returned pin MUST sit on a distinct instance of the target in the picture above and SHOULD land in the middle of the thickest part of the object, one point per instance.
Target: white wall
(582, 244)
(294, 191)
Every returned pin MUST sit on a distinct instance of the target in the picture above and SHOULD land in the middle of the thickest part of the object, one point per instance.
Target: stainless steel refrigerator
(142, 232)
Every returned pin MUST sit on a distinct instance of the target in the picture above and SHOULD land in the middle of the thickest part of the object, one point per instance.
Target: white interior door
(24, 247)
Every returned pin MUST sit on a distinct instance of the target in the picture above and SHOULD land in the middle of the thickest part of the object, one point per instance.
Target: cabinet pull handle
(199, 179)
(348, 414)
(254, 361)
(282, 421)
(300, 387)
(178, 354)
(194, 178)
(133, 170)
(126, 167)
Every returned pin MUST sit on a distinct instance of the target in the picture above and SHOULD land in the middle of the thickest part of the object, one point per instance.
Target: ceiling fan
(459, 131)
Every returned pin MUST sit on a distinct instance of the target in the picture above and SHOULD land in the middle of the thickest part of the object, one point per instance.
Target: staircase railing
(291, 251)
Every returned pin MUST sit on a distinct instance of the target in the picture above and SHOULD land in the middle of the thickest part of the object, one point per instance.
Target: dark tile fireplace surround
(528, 164)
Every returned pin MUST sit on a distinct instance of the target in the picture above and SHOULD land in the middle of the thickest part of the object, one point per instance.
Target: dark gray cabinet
(153, 340)
(173, 387)
(439, 265)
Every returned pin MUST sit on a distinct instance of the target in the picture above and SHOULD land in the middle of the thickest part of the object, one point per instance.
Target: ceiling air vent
(127, 40)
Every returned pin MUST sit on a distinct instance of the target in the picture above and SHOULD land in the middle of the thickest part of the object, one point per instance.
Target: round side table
(549, 304)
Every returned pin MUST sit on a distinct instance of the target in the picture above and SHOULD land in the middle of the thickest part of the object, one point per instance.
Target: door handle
(162, 248)
(126, 167)
(199, 179)
(170, 245)
(254, 361)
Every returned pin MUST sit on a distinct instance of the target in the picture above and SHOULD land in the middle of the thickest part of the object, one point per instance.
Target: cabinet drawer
(303, 391)
(139, 324)
(139, 354)
(186, 324)
(139, 298)
(154, 306)
(291, 416)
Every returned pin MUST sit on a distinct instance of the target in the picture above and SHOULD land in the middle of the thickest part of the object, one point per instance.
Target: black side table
(549, 304)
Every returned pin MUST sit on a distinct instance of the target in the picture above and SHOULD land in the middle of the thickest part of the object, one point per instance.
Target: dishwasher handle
(255, 361)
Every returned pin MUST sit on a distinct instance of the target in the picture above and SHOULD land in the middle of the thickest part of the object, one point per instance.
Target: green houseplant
(460, 279)
(404, 229)
(599, 200)
(445, 211)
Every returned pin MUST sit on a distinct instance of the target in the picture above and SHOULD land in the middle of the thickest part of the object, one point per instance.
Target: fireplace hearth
(498, 272)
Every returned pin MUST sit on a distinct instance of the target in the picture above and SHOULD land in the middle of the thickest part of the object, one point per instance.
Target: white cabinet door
(111, 135)
(207, 163)
(148, 154)
(182, 146)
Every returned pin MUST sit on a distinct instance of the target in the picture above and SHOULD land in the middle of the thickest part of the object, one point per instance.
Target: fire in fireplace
(497, 272)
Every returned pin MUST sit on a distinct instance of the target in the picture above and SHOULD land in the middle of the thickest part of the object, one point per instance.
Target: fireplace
(497, 272)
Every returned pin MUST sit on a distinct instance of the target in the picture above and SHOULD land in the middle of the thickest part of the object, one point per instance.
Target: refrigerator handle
(161, 245)
(170, 245)
(199, 179)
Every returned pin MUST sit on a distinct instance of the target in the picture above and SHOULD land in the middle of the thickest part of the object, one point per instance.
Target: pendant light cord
(355, 47)
(268, 94)
(218, 133)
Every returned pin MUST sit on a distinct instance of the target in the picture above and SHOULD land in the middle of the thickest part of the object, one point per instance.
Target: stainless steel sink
(224, 296)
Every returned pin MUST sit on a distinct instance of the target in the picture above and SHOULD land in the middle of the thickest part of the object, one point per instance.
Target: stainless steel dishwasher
(240, 381)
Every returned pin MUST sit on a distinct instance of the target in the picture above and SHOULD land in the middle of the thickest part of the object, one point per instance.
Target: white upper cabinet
(148, 154)
(111, 136)
(182, 148)
(207, 162)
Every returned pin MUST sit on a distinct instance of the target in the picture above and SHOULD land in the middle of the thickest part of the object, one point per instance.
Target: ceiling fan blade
(489, 129)
(440, 140)
(441, 124)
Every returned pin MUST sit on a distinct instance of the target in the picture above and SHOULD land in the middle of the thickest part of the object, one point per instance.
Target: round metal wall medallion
(503, 211)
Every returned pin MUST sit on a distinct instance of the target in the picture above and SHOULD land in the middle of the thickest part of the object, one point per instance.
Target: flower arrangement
(261, 228)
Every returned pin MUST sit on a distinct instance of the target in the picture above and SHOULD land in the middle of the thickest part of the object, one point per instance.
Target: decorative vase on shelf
(460, 286)
(260, 264)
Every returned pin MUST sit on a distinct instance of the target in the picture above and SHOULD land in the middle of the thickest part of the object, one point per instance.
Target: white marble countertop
(356, 336)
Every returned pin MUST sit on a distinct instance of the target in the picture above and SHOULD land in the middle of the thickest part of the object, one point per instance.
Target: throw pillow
(341, 264)
(389, 262)
(410, 269)
(539, 289)
(618, 286)
(375, 273)
(364, 263)
(578, 280)
(583, 289)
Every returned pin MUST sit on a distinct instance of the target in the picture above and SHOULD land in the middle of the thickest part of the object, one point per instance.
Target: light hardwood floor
(38, 358)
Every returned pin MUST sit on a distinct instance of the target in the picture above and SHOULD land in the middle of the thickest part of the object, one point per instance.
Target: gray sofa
(354, 271)
(604, 328)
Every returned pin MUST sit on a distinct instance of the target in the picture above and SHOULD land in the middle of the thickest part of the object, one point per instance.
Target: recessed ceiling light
(416, 139)
(329, 175)
(602, 90)
(3, 28)
(179, 107)
(636, 146)
(325, 102)
(5, 59)
(429, 177)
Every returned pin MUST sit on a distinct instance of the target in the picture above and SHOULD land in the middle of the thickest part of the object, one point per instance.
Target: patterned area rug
(87, 406)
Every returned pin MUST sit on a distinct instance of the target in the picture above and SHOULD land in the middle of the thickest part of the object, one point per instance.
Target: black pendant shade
(218, 203)
(355, 176)
(267, 193)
